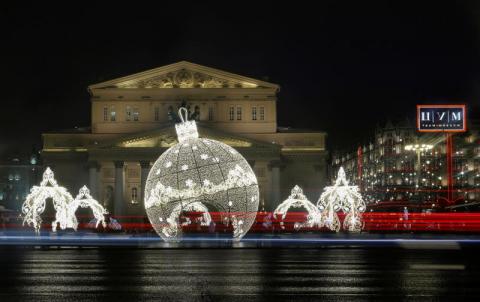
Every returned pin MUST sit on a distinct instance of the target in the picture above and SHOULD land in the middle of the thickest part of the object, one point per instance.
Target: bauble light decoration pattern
(201, 175)
(298, 200)
(342, 197)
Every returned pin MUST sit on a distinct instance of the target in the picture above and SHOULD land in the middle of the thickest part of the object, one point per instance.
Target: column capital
(118, 163)
(145, 164)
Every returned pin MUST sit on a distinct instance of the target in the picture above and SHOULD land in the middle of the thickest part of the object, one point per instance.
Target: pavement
(374, 273)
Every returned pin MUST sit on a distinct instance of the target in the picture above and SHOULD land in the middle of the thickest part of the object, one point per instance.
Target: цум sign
(441, 118)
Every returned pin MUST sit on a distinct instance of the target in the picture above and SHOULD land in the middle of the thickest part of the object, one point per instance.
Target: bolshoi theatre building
(132, 123)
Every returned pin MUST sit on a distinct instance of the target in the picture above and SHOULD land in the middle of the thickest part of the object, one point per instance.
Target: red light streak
(374, 222)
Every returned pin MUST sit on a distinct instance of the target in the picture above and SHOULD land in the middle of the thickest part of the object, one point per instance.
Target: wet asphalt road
(280, 274)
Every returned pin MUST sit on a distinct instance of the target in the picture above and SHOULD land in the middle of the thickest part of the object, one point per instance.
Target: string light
(63, 203)
(35, 203)
(199, 174)
(298, 200)
(85, 200)
(341, 197)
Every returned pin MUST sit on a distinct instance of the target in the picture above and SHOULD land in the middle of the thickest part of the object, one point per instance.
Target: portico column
(99, 181)
(93, 168)
(145, 169)
(119, 180)
(319, 181)
(274, 167)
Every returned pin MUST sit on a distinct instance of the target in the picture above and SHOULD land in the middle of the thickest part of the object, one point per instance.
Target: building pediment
(183, 75)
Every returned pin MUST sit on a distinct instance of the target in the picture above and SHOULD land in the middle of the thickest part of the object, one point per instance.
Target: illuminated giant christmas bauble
(200, 175)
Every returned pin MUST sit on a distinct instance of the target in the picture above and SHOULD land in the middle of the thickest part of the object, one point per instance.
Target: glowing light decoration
(63, 203)
(298, 200)
(85, 200)
(35, 203)
(174, 223)
(342, 197)
(199, 174)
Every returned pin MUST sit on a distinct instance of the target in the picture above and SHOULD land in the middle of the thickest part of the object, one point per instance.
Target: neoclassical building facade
(132, 123)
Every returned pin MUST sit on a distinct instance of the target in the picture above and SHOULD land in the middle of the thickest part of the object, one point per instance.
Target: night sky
(343, 67)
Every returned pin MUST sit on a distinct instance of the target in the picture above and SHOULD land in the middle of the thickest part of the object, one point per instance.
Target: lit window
(105, 114)
(262, 113)
(113, 114)
(135, 114)
(157, 114)
(239, 113)
(134, 195)
(231, 113)
(210, 113)
(254, 113)
(128, 114)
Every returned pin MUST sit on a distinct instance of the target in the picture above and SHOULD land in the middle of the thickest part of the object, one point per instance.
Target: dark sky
(343, 66)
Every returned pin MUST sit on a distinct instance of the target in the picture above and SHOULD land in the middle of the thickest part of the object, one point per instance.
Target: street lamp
(418, 148)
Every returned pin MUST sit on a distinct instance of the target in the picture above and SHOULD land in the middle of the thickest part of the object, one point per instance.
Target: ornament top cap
(186, 129)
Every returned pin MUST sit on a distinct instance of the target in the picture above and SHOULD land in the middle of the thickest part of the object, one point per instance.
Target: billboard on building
(441, 118)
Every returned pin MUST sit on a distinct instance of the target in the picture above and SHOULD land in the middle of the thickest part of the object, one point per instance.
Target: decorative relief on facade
(133, 173)
(167, 141)
(164, 141)
(185, 78)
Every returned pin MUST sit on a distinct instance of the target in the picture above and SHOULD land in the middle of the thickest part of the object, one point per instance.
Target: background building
(132, 124)
(18, 172)
(391, 175)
